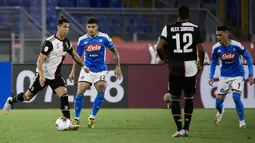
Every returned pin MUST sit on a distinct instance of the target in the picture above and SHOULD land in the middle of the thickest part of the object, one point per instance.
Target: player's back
(231, 65)
(182, 39)
(94, 50)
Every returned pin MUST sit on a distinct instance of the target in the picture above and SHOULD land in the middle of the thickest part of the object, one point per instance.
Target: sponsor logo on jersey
(227, 56)
(93, 47)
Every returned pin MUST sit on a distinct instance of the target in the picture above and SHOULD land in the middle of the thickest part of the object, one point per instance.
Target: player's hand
(210, 81)
(165, 63)
(42, 80)
(117, 72)
(251, 80)
(71, 76)
(86, 69)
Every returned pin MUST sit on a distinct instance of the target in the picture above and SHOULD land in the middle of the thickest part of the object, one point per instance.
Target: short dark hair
(222, 28)
(62, 20)
(183, 12)
(92, 20)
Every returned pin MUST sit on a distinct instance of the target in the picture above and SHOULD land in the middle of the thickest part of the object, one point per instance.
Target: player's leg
(59, 87)
(84, 82)
(175, 86)
(237, 87)
(189, 93)
(100, 84)
(222, 90)
(29, 94)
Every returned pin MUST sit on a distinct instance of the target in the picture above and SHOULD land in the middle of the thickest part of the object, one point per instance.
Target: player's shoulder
(217, 45)
(51, 38)
(83, 37)
(235, 43)
(101, 34)
(189, 24)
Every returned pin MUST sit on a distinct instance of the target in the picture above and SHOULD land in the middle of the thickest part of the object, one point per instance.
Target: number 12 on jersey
(187, 38)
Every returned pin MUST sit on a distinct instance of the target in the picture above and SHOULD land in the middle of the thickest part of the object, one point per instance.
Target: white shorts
(227, 84)
(92, 77)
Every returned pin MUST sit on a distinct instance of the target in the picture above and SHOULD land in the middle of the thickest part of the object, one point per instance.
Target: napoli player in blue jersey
(93, 45)
(232, 72)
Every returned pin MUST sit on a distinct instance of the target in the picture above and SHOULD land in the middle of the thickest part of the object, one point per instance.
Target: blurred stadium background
(134, 26)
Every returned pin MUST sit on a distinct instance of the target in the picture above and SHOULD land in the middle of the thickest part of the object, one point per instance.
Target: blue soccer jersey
(94, 50)
(230, 59)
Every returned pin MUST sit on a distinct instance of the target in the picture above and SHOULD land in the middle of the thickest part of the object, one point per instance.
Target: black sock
(176, 112)
(188, 110)
(18, 98)
(65, 106)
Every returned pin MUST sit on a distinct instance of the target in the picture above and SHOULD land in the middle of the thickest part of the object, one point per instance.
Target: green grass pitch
(125, 126)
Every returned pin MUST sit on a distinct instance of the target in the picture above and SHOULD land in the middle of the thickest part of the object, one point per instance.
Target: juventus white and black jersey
(55, 50)
(182, 38)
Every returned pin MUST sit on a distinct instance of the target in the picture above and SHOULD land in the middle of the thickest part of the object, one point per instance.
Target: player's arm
(116, 56)
(47, 47)
(161, 43)
(200, 50)
(80, 50)
(247, 56)
(215, 58)
(77, 59)
(201, 56)
(110, 45)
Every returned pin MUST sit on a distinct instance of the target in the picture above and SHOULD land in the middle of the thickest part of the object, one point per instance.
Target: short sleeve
(80, 47)
(47, 47)
(69, 47)
(164, 33)
(108, 42)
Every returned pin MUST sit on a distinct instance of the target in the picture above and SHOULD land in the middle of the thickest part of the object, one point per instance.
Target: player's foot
(186, 133)
(180, 133)
(7, 106)
(219, 117)
(73, 127)
(76, 122)
(242, 124)
(91, 123)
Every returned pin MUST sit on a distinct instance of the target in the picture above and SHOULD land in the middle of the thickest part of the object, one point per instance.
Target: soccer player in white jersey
(93, 45)
(232, 72)
(48, 71)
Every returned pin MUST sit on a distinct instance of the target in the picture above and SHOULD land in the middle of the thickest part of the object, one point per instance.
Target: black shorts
(179, 83)
(53, 83)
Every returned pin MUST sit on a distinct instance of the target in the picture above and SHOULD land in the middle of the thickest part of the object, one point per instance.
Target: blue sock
(219, 104)
(78, 104)
(239, 105)
(97, 104)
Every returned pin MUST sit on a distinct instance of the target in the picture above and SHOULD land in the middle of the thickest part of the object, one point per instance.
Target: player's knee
(101, 89)
(221, 96)
(236, 95)
(81, 91)
(175, 98)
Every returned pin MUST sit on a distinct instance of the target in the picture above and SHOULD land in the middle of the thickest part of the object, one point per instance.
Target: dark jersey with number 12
(182, 38)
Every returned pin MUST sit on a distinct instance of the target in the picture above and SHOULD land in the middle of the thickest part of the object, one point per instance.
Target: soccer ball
(62, 123)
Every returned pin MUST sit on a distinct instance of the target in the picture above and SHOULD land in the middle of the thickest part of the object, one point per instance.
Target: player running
(48, 71)
(93, 45)
(232, 72)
